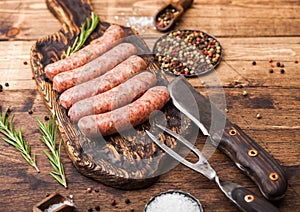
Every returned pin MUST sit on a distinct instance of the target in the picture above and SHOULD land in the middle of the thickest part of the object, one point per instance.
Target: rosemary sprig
(49, 132)
(15, 138)
(86, 29)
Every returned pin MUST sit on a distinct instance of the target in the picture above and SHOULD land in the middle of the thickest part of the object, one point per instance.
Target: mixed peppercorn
(188, 52)
(166, 16)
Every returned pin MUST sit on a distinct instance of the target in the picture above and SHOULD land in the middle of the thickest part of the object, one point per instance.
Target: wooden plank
(211, 198)
(249, 30)
(221, 19)
(236, 65)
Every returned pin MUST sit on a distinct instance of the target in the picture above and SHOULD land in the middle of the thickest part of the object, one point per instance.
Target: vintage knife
(249, 156)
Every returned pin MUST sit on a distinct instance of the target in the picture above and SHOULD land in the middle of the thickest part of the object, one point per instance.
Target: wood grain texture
(275, 96)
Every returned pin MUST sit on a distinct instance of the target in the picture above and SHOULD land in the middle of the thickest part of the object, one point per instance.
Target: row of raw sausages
(105, 87)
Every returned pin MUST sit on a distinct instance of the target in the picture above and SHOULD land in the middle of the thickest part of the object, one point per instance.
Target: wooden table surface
(248, 31)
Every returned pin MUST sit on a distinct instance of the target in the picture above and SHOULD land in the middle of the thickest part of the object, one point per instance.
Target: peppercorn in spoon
(166, 17)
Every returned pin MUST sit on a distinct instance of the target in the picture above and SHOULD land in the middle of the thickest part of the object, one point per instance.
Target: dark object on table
(54, 202)
(187, 52)
(167, 15)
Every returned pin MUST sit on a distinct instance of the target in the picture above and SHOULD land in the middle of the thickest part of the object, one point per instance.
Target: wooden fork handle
(249, 201)
(253, 160)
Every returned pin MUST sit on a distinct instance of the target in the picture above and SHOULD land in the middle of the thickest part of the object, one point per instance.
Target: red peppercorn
(113, 202)
(270, 60)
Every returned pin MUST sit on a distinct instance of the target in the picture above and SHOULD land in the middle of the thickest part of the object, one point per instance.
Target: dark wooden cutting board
(127, 162)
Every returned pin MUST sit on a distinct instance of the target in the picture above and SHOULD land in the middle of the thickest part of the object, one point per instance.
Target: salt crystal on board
(136, 22)
(58, 205)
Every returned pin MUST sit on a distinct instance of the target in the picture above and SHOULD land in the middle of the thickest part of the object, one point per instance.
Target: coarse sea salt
(140, 23)
(173, 202)
(58, 205)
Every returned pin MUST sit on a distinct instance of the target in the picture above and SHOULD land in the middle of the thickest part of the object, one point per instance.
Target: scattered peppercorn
(97, 208)
(127, 201)
(30, 112)
(278, 64)
(272, 65)
(254, 63)
(271, 71)
(282, 71)
(25, 63)
(96, 190)
(270, 60)
(296, 61)
(46, 118)
(282, 65)
(258, 116)
(1, 88)
(113, 202)
(90, 210)
(6, 84)
(230, 86)
(89, 190)
(131, 210)
(245, 93)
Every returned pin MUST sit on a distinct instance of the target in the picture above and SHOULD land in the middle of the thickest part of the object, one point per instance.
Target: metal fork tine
(202, 166)
(170, 151)
(184, 141)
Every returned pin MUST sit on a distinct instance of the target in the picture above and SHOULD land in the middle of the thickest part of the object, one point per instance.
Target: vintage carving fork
(242, 197)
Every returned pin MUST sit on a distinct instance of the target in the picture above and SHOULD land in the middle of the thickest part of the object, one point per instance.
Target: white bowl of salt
(173, 201)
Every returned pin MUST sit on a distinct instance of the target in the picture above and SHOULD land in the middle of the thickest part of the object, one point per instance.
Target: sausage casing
(127, 116)
(93, 69)
(115, 98)
(109, 39)
(107, 81)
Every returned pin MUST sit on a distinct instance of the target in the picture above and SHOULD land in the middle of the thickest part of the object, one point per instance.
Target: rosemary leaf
(86, 30)
(49, 131)
(15, 138)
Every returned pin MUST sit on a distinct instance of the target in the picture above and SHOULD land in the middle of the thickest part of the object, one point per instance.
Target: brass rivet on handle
(273, 176)
(252, 152)
(232, 132)
(249, 198)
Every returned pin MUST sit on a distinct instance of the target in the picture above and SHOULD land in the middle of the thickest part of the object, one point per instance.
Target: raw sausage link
(110, 79)
(115, 98)
(93, 69)
(127, 116)
(109, 39)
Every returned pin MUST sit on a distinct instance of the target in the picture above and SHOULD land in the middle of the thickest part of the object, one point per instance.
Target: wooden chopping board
(127, 162)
